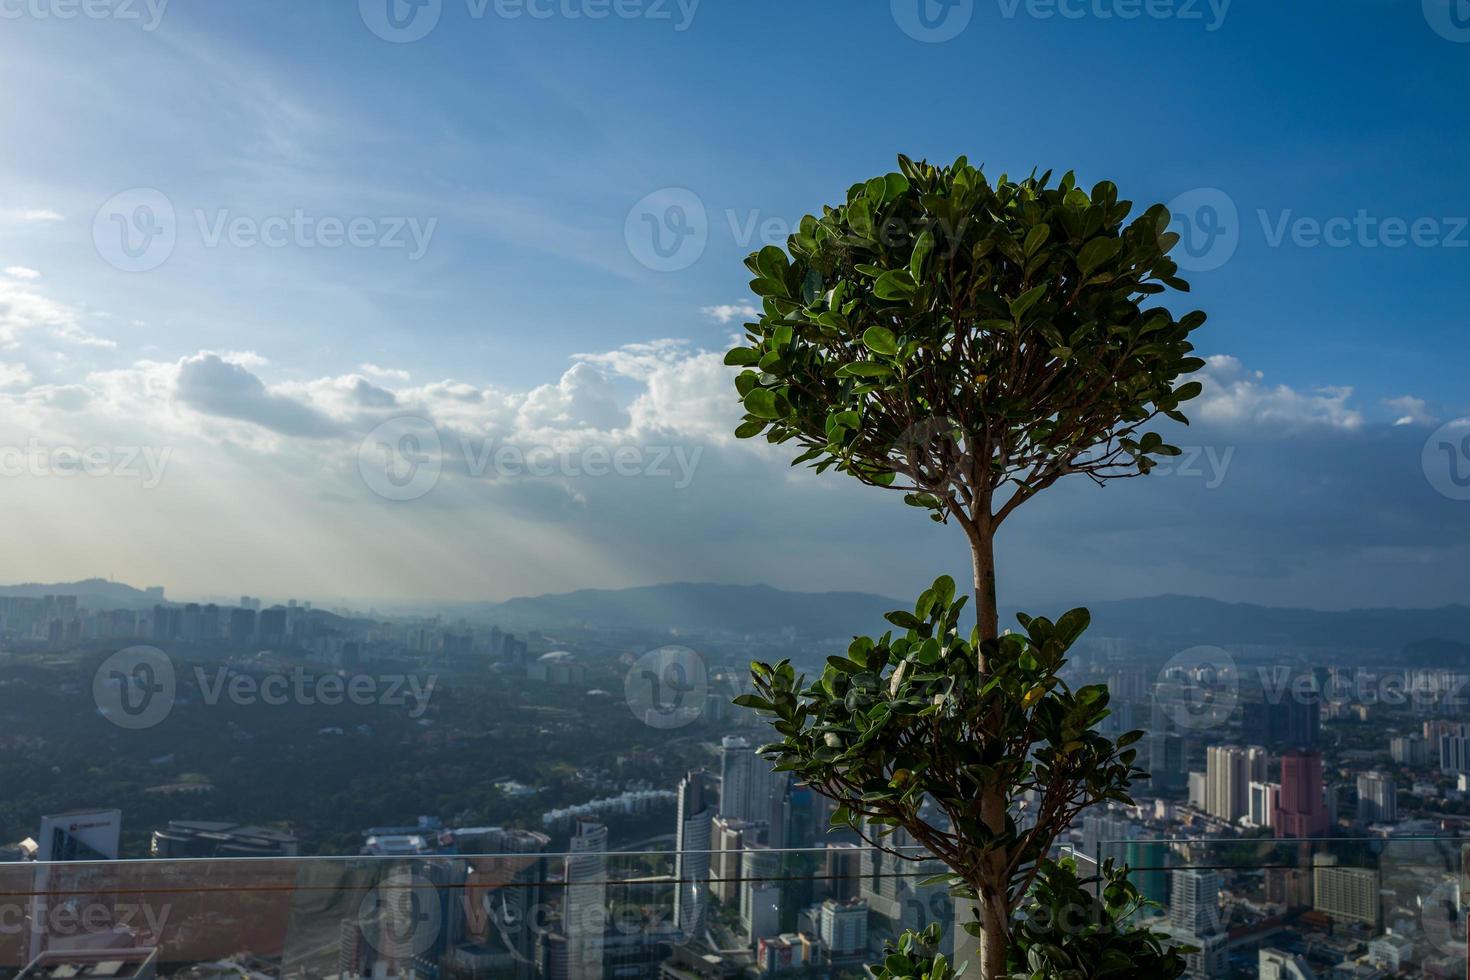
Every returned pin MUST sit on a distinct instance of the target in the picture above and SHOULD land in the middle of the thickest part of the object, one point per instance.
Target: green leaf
(772, 263)
(880, 340)
(1025, 301)
(747, 430)
(761, 402)
(1035, 238)
(897, 284)
(1096, 252)
(742, 356)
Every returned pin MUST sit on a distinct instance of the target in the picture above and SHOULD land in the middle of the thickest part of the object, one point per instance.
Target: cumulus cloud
(1409, 410)
(729, 311)
(1235, 396)
(21, 272)
(207, 383)
(1280, 491)
(24, 309)
(384, 373)
(13, 375)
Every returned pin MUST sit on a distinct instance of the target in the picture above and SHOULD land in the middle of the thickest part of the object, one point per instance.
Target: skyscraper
(1302, 812)
(691, 862)
(1229, 771)
(584, 914)
(1377, 798)
(1194, 917)
(735, 767)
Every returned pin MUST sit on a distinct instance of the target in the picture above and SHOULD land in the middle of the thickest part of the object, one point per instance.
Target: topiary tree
(968, 343)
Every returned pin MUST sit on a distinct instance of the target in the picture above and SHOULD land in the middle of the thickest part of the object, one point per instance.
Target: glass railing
(1330, 907)
(1252, 907)
(576, 916)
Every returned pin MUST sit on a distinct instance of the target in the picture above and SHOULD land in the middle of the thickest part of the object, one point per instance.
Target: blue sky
(498, 168)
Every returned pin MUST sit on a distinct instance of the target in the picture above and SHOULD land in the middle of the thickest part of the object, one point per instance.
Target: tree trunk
(993, 905)
(982, 553)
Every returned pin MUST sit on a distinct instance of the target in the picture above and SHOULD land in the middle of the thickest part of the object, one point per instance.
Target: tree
(968, 343)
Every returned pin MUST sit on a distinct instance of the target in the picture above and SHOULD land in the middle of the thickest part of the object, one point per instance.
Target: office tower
(1265, 800)
(1229, 771)
(691, 862)
(1345, 894)
(1194, 917)
(242, 627)
(844, 868)
(1377, 798)
(843, 927)
(728, 840)
(735, 767)
(760, 893)
(584, 912)
(1288, 715)
(1303, 812)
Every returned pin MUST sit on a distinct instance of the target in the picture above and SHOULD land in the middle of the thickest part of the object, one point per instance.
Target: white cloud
(40, 214)
(23, 309)
(14, 375)
(1409, 410)
(21, 272)
(386, 374)
(1235, 396)
(729, 311)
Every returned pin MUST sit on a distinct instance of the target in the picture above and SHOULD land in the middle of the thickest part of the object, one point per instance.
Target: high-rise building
(1303, 810)
(844, 868)
(1346, 894)
(1377, 798)
(1229, 771)
(1287, 714)
(736, 758)
(691, 861)
(760, 893)
(1454, 748)
(1409, 750)
(843, 927)
(728, 841)
(1265, 800)
(584, 912)
(1194, 917)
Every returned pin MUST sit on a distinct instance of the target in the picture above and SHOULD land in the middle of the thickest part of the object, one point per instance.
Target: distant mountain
(1163, 622)
(704, 606)
(93, 593)
(1188, 619)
